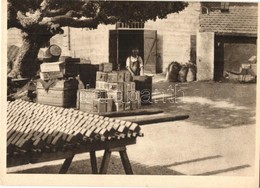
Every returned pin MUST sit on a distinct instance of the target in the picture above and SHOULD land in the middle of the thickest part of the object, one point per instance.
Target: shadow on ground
(115, 167)
(209, 104)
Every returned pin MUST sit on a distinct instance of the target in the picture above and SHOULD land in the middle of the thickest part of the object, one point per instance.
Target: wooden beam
(65, 167)
(132, 113)
(156, 119)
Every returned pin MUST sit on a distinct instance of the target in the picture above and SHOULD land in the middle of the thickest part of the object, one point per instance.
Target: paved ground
(217, 139)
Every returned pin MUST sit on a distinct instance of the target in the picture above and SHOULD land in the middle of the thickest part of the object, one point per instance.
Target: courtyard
(218, 138)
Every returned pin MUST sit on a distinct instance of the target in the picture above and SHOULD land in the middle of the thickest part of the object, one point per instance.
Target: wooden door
(113, 48)
(150, 51)
(205, 55)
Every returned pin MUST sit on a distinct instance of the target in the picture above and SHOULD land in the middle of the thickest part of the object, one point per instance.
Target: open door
(113, 48)
(150, 51)
(205, 55)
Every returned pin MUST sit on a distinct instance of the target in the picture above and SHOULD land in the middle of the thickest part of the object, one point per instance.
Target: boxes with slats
(101, 76)
(101, 85)
(100, 105)
(117, 76)
(53, 67)
(119, 86)
(61, 93)
(119, 106)
(50, 75)
(127, 106)
(105, 67)
(129, 86)
(109, 105)
(127, 76)
(117, 96)
(131, 96)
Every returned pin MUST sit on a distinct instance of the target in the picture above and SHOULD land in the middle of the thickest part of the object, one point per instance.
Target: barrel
(144, 85)
(52, 54)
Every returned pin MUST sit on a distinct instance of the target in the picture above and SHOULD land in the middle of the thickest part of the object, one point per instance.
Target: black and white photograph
(132, 89)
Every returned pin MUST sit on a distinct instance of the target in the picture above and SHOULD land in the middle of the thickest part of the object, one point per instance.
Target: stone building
(216, 38)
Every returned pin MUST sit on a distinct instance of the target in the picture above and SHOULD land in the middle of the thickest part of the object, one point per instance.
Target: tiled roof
(239, 20)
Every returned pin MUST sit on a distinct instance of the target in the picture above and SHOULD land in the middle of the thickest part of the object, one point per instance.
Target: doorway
(231, 52)
(121, 42)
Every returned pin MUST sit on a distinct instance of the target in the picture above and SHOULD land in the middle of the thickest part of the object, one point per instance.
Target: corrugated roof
(240, 20)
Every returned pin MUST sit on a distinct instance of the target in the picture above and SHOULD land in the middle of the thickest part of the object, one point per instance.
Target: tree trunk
(26, 64)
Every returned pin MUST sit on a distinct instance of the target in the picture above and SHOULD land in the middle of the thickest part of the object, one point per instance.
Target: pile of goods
(177, 72)
(37, 128)
(115, 91)
(58, 84)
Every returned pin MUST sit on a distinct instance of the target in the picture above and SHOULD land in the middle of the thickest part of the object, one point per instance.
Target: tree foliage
(39, 20)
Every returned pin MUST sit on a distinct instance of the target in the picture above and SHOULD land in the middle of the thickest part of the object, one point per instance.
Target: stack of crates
(58, 84)
(119, 93)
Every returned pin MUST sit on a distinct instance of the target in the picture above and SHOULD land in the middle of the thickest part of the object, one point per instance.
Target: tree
(39, 20)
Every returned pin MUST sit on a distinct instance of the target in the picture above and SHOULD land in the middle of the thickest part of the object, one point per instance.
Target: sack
(191, 75)
(173, 72)
(183, 73)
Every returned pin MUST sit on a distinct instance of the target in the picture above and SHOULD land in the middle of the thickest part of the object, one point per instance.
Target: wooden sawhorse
(105, 161)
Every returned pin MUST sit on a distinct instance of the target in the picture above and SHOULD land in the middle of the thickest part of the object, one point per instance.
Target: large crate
(53, 67)
(105, 67)
(116, 76)
(101, 76)
(144, 85)
(62, 93)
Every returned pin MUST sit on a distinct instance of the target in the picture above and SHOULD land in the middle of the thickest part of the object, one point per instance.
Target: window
(224, 6)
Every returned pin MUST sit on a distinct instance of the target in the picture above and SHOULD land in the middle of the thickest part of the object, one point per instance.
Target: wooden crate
(101, 85)
(99, 105)
(62, 93)
(116, 86)
(144, 85)
(53, 67)
(50, 75)
(116, 76)
(101, 76)
(105, 67)
(62, 84)
(71, 70)
(56, 97)
(117, 96)
(110, 105)
(129, 86)
(119, 106)
(127, 76)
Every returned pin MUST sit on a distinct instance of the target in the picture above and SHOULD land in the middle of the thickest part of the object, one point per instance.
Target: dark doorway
(121, 43)
(231, 52)
(127, 41)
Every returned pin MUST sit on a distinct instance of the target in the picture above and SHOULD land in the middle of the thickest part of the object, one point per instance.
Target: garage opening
(231, 52)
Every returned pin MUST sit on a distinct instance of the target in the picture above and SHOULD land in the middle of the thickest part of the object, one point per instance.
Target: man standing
(134, 63)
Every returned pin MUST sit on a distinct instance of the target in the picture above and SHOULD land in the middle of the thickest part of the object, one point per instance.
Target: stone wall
(175, 41)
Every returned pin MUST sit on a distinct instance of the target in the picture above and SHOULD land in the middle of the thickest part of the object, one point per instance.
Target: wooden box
(112, 77)
(119, 106)
(110, 104)
(144, 85)
(117, 96)
(120, 76)
(61, 84)
(106, 67)
(54, 97)
(127, 106)
(101, 85)
(129, 86)
(99, 105)
(50, 75)
(101, 76)
(53, 67)
(127, 76)
(117, 76)
(116, 86)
